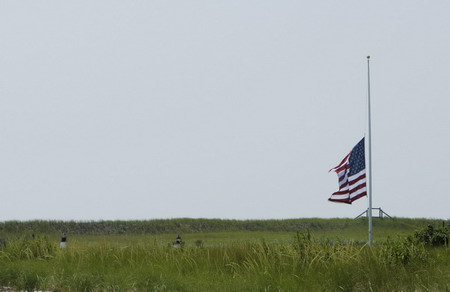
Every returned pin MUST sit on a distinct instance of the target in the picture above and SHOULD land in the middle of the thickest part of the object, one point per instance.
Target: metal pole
(369, 154)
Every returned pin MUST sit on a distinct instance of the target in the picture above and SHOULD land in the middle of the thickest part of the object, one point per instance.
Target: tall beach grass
(303, 264)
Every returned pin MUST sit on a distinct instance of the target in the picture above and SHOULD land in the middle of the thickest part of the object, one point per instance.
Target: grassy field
(324, 255)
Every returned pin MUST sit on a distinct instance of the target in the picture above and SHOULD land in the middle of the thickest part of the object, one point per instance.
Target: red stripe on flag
(354, 181)
(361, 186)
(358, 196)
(346, 200)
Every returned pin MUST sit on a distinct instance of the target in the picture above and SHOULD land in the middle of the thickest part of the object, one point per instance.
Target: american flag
(351, 173)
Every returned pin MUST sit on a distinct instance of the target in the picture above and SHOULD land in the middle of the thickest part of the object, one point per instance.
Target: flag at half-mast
(351, 173)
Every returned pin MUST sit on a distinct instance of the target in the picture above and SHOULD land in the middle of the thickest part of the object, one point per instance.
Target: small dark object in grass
(178, 242)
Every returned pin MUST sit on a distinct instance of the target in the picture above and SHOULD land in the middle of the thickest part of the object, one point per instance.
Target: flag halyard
(351, 174)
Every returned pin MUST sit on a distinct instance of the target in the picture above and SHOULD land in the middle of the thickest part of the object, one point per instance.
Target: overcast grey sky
(220, 109)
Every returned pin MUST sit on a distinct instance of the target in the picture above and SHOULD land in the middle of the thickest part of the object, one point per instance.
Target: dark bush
(433, 236)
(403, 251)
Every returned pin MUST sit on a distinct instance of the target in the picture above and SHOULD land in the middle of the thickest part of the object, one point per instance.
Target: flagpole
(369, 154)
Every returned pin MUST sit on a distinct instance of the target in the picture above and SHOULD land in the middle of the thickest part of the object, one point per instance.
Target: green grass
(300, 265)
(347, 229)
(186, 225)
(330, 258)
(213, 231)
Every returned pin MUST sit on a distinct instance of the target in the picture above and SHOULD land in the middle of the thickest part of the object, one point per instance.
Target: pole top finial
(368, 57)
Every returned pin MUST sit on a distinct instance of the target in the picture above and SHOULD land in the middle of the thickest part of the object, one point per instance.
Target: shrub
(433, 236)
(403, 251)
